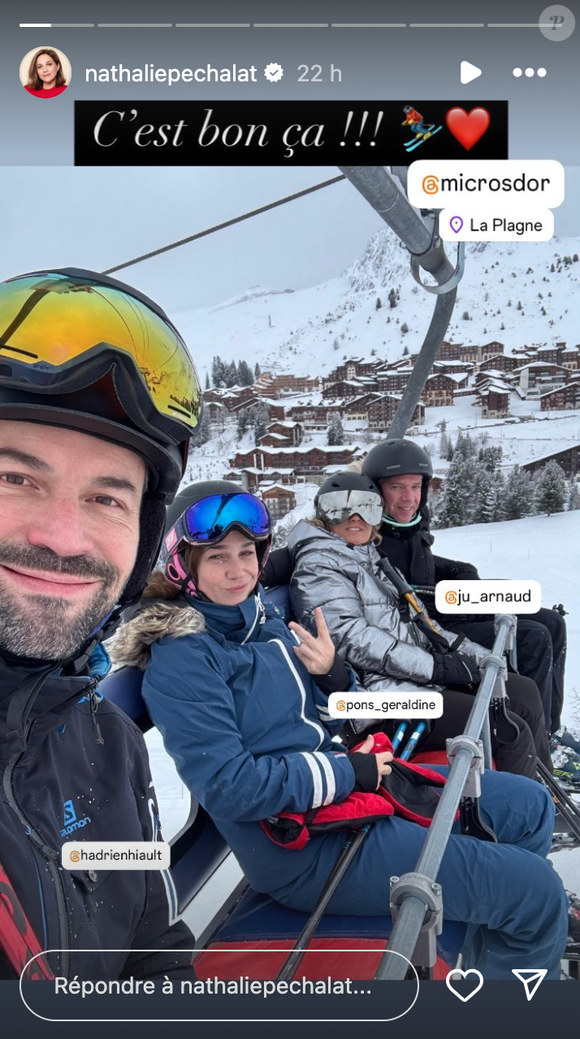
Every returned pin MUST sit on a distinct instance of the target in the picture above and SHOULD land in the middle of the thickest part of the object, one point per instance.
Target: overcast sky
(99, 217)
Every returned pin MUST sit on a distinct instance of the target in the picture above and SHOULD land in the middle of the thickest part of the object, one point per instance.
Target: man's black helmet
(397, 458)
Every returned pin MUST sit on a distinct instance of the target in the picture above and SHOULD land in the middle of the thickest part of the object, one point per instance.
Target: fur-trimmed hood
(132, 644)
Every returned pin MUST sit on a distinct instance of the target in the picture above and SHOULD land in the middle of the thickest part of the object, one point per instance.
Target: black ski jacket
(409, 549)
(75, 767)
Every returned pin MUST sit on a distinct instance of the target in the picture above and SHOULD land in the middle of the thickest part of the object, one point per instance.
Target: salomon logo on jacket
(71, 823)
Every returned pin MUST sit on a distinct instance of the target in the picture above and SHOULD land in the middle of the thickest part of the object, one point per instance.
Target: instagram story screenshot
(289, 512)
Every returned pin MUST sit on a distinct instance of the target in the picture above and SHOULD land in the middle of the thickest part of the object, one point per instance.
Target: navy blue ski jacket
(243, 720)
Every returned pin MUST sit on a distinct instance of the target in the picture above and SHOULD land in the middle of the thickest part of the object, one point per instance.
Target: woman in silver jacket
(336, 566)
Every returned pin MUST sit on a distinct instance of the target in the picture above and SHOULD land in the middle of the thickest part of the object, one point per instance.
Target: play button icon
(469, 72)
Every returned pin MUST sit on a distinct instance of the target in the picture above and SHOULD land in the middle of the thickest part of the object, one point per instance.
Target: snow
(297, 331)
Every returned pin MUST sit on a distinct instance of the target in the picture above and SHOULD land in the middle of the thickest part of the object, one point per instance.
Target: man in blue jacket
(98, 400)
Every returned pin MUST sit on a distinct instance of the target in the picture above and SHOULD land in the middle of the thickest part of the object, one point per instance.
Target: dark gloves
(337, 680)
(366, 772)
(452, 669)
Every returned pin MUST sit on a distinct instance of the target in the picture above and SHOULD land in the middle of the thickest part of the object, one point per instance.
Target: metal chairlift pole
(418, 893)
(380, 189)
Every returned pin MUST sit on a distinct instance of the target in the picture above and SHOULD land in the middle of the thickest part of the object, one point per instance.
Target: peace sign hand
(316, 652)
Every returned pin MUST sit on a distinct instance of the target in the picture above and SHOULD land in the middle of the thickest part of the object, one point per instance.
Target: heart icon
(464, 973)
(467, 128)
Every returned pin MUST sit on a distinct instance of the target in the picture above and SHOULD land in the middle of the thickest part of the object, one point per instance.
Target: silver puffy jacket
(360, 607)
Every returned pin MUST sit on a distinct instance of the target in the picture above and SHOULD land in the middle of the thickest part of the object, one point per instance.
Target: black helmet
(396, 458)
(204, 514)
(399, 458)
(346, 494)
(86, 352)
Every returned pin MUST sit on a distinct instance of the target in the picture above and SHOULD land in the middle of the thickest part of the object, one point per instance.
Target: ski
(411, 145)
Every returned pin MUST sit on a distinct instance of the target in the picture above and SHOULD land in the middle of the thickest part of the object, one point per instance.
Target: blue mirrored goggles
(210, 519)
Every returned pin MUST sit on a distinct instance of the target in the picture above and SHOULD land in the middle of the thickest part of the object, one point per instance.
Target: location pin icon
(456, 223)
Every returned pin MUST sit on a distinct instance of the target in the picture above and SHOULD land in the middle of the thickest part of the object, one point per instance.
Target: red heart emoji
(467, 128)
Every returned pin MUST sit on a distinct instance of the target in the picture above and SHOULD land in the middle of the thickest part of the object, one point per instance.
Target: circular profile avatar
(45, 72)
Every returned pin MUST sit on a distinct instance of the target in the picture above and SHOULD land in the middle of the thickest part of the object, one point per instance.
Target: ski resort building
(293, 431)
(571, 359)
(439, 390)
(278, 498)
(495, 401)
(306, 460)
(500, 363)
(395, 380)
(566, 398)
(539, 377)
(285, 384)
(315, 416)
(381, 412)
(568, 459)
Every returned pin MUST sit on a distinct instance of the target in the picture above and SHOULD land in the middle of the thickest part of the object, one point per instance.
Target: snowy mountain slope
(310, 330)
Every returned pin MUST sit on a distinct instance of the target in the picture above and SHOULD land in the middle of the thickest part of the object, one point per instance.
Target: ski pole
(567, 808)
(413, 741)
(421, 617)
(291, 964)
(399, 735)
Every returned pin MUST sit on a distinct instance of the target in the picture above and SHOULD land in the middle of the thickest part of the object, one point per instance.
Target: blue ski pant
(509, 892)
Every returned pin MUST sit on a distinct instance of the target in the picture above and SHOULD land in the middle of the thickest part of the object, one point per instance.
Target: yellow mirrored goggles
(53, 319)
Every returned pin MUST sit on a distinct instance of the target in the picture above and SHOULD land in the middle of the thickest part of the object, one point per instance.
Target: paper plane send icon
(531, 979)
(468, 72)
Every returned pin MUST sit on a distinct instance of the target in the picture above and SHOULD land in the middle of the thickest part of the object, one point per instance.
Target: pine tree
(481, 502)
(207, 380)
(573, 496)
(245, 377)
(518, 494)
(393, 298)
(231, 374)
(444, 439)
(257, 370)
(218, 371)
(457, 492)
(259, 418)
(378, 304)
(490, 458)
(243, 422)
(336, 434)
(550, 489)
(203, 433)
(464, 445)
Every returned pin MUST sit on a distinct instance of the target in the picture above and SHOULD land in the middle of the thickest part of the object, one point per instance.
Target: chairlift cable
(226, 223)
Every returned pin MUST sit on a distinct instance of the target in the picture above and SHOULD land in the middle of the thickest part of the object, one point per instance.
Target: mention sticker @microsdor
(507, 182)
